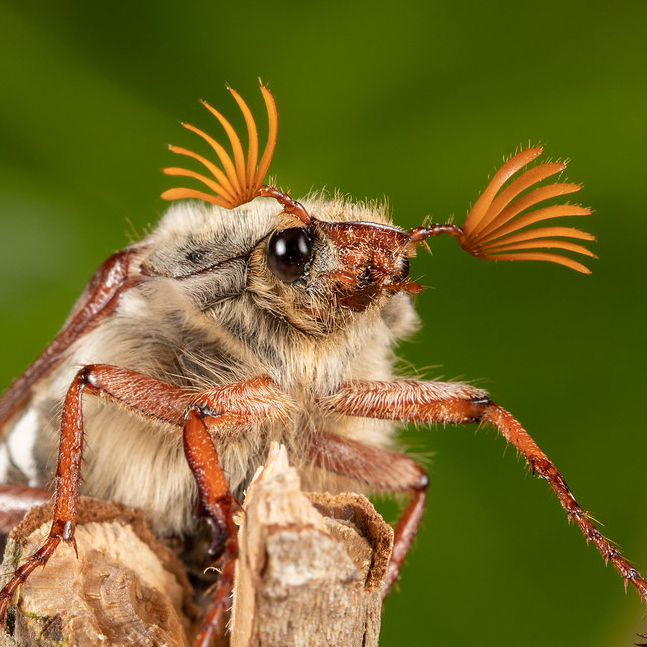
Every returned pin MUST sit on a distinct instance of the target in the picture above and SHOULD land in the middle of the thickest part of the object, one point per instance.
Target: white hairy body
(225, 325)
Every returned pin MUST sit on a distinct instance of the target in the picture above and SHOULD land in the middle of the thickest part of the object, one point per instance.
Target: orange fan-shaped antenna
(496, 226)
(239, 180)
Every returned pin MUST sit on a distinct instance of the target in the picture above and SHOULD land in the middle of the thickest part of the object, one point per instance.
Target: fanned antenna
(237, 180)
(495, 228)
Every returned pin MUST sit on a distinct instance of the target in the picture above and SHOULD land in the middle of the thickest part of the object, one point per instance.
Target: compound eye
(288, 253)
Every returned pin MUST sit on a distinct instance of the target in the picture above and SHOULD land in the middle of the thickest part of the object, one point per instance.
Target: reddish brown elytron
(365, 266)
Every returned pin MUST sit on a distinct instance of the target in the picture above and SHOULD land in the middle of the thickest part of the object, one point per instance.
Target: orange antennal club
(495, 228)
(236, 181)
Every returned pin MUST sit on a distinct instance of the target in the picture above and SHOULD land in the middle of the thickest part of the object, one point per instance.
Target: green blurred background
(416, 101)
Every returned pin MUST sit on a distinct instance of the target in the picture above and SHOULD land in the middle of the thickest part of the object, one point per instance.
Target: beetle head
(358, 262)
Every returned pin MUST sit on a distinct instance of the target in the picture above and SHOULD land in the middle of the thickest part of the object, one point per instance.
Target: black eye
(288, 253)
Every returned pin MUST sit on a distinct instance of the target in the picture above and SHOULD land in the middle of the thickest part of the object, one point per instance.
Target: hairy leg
(98, 301)
(215, 503)
(148, 397)
(439, 402)
(378, 469)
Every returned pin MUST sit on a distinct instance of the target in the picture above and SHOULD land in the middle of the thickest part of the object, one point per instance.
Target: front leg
(220, 408)
(68, 474)
(215, 503)
(439, 402)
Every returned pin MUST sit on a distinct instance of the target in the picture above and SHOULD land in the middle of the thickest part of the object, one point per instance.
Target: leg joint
(423, 481)
(479, 404)
(87, 375)
(482, 400)
(203, 410)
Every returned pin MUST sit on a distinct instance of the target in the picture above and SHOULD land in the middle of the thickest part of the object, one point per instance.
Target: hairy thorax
(202, 354)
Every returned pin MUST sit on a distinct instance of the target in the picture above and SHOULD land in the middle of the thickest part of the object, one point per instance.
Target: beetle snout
(383, 269)
(371, 257)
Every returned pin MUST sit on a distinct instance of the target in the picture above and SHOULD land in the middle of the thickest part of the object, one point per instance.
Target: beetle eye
(288, 253)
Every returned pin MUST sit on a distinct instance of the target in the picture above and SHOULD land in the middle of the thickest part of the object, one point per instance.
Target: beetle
(248, 317)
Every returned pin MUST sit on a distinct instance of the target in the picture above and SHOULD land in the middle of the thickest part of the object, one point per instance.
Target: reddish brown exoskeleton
(248, 317)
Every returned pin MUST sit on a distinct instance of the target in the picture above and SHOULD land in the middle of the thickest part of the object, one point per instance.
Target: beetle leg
(378, 469)
(67, 486)
(98, 301)
(439, 402)
(16, 501)
(214, 502)
(150, 398)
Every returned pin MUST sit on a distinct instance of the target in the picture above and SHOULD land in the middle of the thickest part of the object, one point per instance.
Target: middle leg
(439, 402)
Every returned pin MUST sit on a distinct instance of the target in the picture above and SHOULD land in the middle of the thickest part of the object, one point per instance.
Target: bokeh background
(419, 102)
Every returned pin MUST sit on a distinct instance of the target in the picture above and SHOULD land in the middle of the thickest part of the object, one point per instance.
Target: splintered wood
(310, 573)
(125, 588)
(303, 578)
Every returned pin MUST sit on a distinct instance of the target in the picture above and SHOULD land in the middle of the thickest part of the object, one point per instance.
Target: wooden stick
(304, 578)
(125, 588)
(310, 572)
